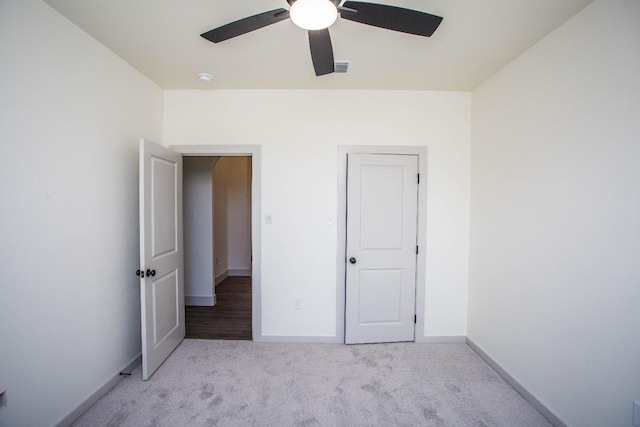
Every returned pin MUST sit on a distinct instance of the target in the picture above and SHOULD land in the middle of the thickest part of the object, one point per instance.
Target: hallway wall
(198, 230)
(232, 215)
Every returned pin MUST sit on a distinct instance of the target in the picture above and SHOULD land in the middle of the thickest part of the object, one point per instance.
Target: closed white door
(382, 209)
(161, 254)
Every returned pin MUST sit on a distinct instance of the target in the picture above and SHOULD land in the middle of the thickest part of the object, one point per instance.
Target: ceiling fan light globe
(313, 14)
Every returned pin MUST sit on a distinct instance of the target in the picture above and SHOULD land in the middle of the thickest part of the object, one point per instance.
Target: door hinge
(418, 178)
(415, 318)
(417, 250)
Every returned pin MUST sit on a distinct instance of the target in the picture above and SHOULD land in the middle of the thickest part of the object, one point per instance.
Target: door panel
(161, 254)
(166, 310)
(382, 207)
(380, 296)
(381, 213)
(164, 232)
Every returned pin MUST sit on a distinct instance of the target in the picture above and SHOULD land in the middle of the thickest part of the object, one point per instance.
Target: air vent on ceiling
(341, 66)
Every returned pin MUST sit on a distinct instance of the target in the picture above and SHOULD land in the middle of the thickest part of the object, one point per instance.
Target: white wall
(299, 132)
(232, 216)
(555, 217)
(239, 206)
(198, 230)
(221, 218)
(72, 114)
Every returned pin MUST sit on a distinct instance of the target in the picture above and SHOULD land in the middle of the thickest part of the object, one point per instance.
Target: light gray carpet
(242, 383)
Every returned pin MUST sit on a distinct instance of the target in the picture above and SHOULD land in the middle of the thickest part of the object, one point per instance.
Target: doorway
(217, 242)
(235, 282)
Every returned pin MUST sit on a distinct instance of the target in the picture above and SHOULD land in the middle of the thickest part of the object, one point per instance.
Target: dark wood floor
(229, 319)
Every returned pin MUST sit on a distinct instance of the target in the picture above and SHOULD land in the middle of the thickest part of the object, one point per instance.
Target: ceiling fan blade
(321, 51)
(391, 17)
(246, 25)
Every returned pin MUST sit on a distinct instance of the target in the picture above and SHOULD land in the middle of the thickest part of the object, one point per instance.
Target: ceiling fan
(317, 16)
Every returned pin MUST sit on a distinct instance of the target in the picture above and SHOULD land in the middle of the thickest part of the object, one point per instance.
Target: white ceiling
(161, 38)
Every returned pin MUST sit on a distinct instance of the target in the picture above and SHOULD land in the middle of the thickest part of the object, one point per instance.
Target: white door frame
(253, 151)
(343, 151)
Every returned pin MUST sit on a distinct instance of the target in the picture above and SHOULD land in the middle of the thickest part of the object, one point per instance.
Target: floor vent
(341, 66)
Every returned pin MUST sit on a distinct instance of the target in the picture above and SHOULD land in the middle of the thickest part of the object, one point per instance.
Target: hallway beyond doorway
(229, 319)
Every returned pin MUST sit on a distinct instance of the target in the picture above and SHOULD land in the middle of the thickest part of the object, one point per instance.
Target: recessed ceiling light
(205, 77)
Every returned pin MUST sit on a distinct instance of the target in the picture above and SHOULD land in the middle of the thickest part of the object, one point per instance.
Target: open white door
(382, 208)
(161, 254)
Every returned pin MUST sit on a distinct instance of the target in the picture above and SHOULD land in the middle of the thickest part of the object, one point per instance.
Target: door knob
(352, 260)
(151, 273)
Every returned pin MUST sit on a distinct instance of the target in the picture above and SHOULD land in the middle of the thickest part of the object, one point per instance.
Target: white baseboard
(539, 406)
(98, 394)
(200, 301)
(222, 276)
(233, 272)
(441, 339)
(334, 339)
(298, 339)
(240, 272)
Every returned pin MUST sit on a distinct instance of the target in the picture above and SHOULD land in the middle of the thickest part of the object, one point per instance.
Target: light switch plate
(636, 413)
